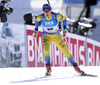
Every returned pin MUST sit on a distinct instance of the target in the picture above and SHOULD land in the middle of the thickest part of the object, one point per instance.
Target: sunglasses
(46, 11)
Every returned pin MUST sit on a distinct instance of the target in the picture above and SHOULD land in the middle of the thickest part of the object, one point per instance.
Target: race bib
(51, 29)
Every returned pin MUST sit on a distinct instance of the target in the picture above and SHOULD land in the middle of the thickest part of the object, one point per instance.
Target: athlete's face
(47, 13)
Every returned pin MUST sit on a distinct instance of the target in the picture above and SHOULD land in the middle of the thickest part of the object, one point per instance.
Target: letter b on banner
(30, 48)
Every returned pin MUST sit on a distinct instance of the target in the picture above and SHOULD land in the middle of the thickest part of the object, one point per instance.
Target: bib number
(50, 29)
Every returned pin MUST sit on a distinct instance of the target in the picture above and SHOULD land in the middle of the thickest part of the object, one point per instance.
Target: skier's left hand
(64, 33)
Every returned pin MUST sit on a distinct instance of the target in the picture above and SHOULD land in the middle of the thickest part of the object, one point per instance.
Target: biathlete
(49, 21)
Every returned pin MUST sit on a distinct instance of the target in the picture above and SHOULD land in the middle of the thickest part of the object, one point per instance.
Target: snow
(60, 75)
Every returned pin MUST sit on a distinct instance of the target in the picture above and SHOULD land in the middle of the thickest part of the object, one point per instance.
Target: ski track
(60, 75)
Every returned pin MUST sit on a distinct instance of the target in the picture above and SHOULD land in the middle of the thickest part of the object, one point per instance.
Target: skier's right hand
(35, 34)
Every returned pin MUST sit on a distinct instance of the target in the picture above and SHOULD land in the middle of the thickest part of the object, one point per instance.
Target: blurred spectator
(87, 4)
(29, 19)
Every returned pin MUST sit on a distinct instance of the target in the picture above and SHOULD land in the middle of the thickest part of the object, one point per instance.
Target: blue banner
(74, 1)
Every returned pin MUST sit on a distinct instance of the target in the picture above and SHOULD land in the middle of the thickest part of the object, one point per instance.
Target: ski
(88, 75)
(58, 77)
(44, 77)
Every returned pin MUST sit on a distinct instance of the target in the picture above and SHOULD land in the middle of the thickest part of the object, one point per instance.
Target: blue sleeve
(64, 24)
(38, 21)
(36, 24)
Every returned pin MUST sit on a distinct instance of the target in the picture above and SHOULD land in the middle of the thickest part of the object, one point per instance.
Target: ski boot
(79, 71)
(48, 73)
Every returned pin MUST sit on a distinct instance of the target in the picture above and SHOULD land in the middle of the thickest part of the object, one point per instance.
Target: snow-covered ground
(60, 75)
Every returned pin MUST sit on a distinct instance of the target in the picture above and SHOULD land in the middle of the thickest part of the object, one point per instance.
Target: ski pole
(38, 49)
(48, 1)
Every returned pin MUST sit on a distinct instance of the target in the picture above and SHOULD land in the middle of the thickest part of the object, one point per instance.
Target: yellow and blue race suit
(51, 34)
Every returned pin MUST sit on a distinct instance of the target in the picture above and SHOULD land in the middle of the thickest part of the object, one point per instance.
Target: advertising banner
(85, 51)
(74, 1)
(12, 45)
(19, 49)
(93, 53)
